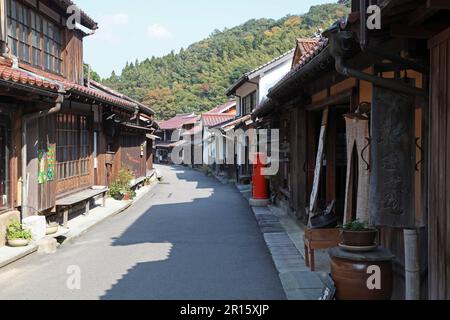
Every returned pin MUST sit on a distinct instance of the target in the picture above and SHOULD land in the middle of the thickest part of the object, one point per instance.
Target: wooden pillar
(439, 169)
(15, 161)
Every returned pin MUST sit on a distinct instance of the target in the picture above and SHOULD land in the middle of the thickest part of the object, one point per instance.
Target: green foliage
(195, 79)
(93, 75)
(15, 231)
(121, 186)
(356, 226)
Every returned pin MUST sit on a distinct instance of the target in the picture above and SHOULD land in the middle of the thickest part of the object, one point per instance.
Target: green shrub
(356, 226)
(121, 186)
(15, 231)
(124, 177)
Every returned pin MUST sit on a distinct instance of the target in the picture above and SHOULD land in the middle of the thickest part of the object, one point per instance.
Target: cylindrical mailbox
(260, 183)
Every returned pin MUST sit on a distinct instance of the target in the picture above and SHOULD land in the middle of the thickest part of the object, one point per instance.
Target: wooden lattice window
(72, 148)
(33, 38)
(18, 30)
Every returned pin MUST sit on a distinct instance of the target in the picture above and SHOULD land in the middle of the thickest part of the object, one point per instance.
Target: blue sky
(138, 29)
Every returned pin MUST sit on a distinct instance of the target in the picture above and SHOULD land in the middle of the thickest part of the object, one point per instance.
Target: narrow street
(190, 237)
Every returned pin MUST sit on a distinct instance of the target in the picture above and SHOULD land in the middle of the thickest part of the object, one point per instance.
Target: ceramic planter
(360, 238)
(52, 229)
(17, 243)
(127, 196)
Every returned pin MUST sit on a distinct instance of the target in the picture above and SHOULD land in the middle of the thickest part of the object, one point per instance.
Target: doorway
(4, 166)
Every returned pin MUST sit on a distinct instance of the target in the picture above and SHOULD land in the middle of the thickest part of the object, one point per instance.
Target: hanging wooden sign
(393, 159)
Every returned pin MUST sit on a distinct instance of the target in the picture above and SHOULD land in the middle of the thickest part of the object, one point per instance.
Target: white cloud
(158, 31)
(108, 24)
(117, 19)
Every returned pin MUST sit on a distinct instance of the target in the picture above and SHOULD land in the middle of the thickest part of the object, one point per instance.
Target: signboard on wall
(393, 159)
(47, 165)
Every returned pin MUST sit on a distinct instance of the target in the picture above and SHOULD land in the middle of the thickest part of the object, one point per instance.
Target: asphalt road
(189, 238)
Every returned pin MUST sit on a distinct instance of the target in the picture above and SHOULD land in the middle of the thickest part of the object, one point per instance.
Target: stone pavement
(298, 282)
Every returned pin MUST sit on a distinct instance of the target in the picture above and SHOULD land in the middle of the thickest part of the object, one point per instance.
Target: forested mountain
(196, 78)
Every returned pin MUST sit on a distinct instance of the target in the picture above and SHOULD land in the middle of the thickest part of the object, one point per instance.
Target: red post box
(260, 183)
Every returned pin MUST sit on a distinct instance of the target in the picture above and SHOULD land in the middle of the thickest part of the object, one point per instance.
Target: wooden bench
(83, 196)
(137, 182)
(319, 239)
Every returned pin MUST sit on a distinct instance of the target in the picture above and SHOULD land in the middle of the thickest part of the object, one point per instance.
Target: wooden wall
(41, 134)
(439, 169)
(73, 56)
(131, 157)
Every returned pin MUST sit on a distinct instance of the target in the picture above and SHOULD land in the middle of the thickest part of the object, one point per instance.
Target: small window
(248, 104)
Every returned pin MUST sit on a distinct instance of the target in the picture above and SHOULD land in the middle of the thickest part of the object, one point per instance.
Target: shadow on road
(217, 251)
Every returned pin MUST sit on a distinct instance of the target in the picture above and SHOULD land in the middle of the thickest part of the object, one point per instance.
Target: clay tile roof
(178, 122)
(211, 120)
(223, 108)
(52, 83)
(306, 45)
(86, 20)
(107, 98)
(315, 50)
(12, 75)
(194, 131)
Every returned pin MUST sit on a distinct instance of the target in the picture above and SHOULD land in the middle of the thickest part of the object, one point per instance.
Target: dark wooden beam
(426, 11)
(439, 4)
(332, 100)
(403, 31)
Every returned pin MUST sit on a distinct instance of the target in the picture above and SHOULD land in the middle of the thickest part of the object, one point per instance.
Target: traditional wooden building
(170, 135)
(364, 115)
(250, 91)
(61, 134)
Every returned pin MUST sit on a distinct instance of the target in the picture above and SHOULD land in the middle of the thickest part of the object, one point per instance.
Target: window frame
(73, 133)
(51, 38)
(248, 103)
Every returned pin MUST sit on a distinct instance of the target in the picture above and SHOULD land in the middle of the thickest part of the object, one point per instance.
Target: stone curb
(33, 248)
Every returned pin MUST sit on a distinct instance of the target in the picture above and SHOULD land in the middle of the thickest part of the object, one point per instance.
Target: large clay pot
(351, 278)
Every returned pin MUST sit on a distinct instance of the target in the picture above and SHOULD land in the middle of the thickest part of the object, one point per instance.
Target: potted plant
(359, 234)
(120, 189)
(17, 236)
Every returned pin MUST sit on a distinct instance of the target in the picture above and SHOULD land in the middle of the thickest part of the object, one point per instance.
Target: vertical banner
(51, 163)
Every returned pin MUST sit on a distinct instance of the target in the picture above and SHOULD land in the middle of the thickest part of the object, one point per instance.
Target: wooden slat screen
(439, 169)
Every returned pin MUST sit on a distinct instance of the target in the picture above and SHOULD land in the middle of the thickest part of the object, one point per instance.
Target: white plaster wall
(270, 78)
